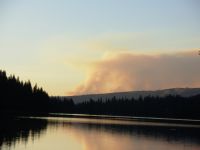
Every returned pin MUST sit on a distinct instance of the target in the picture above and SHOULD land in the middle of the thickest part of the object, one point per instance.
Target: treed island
(19, 97)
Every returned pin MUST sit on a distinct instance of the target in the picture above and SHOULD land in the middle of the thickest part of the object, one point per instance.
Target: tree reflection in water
(93, 132)
(161, 131)
(14, 130)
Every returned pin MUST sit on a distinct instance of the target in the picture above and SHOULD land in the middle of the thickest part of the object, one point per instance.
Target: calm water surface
(95, 134)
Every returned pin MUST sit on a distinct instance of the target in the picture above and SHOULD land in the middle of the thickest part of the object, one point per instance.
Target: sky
(72, 47)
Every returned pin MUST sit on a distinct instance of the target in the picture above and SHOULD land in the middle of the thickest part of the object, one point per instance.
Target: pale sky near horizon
(61, 45)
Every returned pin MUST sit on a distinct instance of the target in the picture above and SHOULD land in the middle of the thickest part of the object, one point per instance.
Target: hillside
(184, 92)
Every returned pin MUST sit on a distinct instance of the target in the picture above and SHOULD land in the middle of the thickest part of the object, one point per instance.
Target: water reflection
(91, 134)
(107, 134)
(14, 131)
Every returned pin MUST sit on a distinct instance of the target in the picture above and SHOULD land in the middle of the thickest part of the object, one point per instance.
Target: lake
(85, 133)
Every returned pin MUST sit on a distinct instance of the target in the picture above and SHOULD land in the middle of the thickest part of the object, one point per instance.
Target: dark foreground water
(95, 134)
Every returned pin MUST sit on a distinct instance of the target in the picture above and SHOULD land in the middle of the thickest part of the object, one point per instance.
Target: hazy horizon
(84, 47)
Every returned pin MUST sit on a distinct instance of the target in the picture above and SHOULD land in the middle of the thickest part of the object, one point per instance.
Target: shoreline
(170, 121)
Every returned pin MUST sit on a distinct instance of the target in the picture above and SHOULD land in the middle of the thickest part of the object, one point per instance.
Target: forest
(18, 96)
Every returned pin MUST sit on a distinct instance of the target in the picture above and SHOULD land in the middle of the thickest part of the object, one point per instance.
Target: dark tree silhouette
(172, 106)
(18, 96)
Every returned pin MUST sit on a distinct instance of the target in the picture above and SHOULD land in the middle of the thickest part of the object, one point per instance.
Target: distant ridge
(185, 92)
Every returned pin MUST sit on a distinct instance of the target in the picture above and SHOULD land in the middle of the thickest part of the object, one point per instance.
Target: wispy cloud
(129, 71)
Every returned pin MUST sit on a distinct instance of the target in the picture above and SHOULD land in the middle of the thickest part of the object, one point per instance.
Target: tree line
(170, 106)
(19, 96)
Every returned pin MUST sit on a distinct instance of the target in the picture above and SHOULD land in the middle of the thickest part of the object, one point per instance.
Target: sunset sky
(71, 47)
